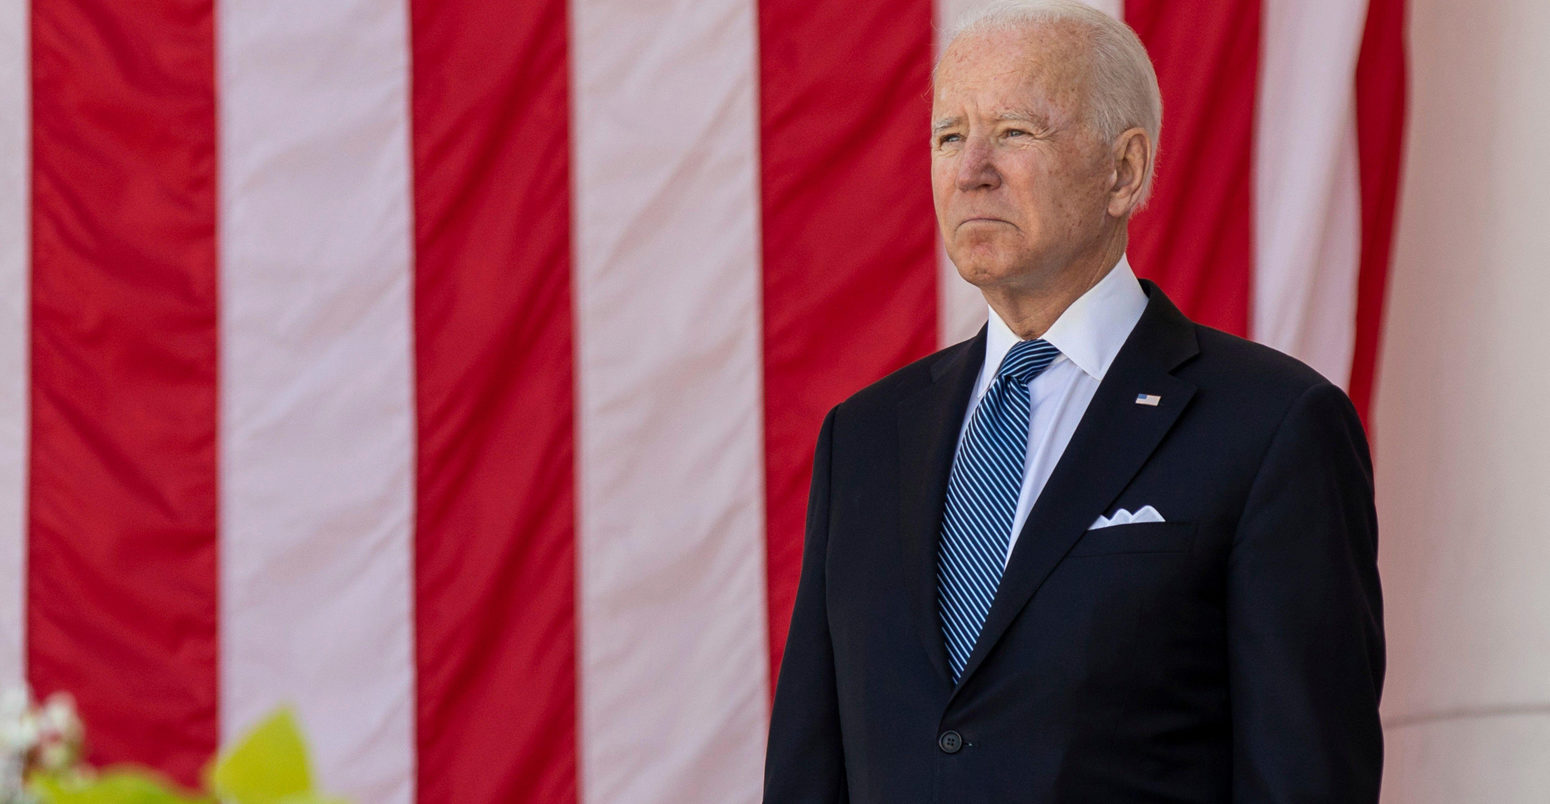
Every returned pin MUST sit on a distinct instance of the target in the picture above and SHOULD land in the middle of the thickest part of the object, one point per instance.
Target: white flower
(18, 724)
(18, 736)
(57, 717)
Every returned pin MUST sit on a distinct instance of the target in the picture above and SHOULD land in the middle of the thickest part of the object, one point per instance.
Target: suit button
(950, 742)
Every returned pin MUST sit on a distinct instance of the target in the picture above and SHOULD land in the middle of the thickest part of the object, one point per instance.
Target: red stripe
(122, 584)
(849, 236)
(1380, 126)
(495, 538)
(1195, 238)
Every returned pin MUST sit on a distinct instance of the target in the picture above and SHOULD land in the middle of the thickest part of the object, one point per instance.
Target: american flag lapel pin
(1149, 400)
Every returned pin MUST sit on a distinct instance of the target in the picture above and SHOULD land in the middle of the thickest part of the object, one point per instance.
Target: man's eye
(947, 138)
(1016, 132)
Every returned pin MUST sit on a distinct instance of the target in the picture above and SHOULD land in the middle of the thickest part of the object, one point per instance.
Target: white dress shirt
(1088, 334)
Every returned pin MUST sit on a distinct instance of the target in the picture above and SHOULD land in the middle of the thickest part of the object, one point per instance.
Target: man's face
(1018, 175)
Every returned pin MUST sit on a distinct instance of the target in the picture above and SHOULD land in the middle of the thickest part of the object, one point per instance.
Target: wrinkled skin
(1032, 205)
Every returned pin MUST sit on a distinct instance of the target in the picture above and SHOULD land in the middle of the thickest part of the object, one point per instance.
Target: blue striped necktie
(982, 490)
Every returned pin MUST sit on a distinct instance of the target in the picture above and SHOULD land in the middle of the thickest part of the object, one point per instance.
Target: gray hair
(1124, 92)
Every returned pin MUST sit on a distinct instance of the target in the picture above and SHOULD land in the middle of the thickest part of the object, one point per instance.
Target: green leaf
(119, 786)
(268, 766)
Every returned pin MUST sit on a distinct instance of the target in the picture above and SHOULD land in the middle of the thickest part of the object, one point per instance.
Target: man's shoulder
(886, 393)
(1212, 359)
(1253, 378)
(1250, 361)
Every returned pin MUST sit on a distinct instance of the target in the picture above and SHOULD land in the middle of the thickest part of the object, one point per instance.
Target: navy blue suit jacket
(1232, 653)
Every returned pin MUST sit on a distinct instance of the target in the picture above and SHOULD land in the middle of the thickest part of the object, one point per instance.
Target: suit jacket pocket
(1143, 537)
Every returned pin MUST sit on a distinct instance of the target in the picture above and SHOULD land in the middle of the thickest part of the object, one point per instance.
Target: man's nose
(976, 166)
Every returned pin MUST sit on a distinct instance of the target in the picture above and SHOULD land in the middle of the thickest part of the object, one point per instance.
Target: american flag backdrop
(451, 369)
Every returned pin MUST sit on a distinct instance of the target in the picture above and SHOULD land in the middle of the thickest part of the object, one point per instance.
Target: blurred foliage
(269, 765)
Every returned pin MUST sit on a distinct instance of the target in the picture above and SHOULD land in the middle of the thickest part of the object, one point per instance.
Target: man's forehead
(1050, 54)
(1024, 94)
(1009, 73)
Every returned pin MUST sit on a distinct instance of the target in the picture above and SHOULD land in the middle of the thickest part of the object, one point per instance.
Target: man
(1098, 553)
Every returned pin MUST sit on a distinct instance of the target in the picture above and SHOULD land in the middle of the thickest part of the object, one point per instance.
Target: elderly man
(1097, 553)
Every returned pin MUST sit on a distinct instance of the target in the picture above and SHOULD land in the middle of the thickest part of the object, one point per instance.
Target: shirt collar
(1090, 332)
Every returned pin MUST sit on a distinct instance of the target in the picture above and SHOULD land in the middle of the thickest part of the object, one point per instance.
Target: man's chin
(986, 276)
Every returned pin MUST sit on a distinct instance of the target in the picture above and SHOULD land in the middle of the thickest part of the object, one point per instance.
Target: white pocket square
(1122, 517)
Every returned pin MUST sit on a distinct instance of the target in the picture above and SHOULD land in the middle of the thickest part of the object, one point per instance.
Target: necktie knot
(1026, 360)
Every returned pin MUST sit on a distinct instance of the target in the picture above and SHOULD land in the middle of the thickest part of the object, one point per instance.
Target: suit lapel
(929, 421)
(1113, 440)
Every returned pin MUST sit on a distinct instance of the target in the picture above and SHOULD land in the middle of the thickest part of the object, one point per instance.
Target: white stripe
(674, 657)
(1307, 202)
(316, 416)
(960, 307)
(15, 147)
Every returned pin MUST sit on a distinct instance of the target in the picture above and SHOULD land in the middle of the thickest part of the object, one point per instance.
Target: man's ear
(1133, 155)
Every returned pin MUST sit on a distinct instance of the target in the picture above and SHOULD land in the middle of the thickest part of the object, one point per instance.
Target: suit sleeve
(1305, 615)
(805, 760)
